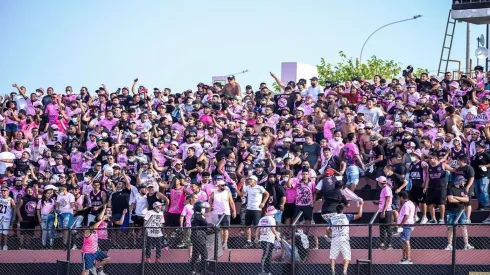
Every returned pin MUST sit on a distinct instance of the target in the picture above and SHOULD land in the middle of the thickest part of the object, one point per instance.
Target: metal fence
(372, 248)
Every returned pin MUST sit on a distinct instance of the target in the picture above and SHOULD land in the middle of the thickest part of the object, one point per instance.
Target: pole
(478, 43)
(384, 26)
(468, 46)
(486, 45)
(143, 252)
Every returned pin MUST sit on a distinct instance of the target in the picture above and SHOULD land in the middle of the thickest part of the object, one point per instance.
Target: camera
(408, 71)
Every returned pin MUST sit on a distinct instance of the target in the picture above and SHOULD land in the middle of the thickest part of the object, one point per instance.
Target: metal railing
(367, 256)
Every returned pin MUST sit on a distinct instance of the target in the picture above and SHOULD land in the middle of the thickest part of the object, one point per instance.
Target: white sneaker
(327, 238)
(5, 247)
(468, 221)
(441, 221)
(432, 221)
(92, 271)
(468, 247)
(449, 247)
(487, 220)
(417, 219)
(74, 247)
(424, 220)
(102, 273)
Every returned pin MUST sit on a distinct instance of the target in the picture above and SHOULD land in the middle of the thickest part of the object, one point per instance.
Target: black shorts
(27, 227)
(436, 196)
(417, 194)
(307, 212)
(225, 221)
(138, 221)
(252, 217)
(288, 211)
(173, 220)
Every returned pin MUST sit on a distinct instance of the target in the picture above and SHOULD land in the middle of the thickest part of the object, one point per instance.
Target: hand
(361, 203)
(261, 205)
(135, 80)
(425, 190)
(125, 211)
(233, 215)
(382, 215)
(281, 207)
(14, 85)
(397, 191)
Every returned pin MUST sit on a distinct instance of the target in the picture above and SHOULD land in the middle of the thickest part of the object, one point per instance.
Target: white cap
(253, 178)
(398, 124)
(381, 179)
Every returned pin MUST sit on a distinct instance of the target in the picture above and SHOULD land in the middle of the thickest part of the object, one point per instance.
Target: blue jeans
(47, 225)
(481, 191)
(352, 173)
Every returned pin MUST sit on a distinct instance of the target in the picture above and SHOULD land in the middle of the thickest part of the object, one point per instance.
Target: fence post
(453, 260)
(293, 243)
(143, 252)
(370, 243)
(217, 232)
(68, 248)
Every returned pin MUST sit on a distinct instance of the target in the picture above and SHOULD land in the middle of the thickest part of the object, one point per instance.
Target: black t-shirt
(466, 171)
(189, 164)
(276, 192)
(232, 136)
(419, 114)
(457, 192)
(476, 161)
(331, 199)
(396, 182)
(377, 151)
(120, 201)
(400, 169)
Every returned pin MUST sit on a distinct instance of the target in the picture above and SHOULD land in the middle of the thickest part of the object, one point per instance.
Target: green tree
(349, 68)
(417, 72)
(276, 88)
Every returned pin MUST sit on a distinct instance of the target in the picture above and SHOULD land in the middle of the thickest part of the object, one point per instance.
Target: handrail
(459, 215)
(374, 217)
(75, 221)
(297, 218)
(220, 220)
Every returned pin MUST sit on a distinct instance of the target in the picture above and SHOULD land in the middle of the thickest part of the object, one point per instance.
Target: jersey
(5, 209)
(340, 225)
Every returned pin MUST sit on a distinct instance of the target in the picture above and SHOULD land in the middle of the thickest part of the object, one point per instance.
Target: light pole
(392, 23)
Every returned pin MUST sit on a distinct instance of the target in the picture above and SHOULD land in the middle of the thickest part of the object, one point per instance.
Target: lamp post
(389, 24)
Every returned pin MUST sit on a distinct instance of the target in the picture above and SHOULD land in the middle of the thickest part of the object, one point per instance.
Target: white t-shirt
(65, 202)
(371, 115)
(153, 223)
(141, 205)
(340, 225)
(265, 224)
(254, 196)
(4, 165)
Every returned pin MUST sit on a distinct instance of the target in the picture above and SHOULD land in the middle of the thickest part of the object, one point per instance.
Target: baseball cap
(5, 188)
(373, 138)
(398, 125)
(253, 178)
(381, 179)
(314, 78)
(157, 203)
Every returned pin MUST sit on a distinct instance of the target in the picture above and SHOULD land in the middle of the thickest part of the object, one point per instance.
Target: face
(305, 176)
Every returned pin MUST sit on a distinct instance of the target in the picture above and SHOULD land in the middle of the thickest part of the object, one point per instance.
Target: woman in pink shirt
(186, 215)
(177, 200)
(290, 184)
(45, 214)
(11, 119)
(385, 212)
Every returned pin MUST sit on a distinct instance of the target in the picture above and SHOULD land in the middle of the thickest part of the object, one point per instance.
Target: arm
(121, 220)
(211, 201)
(232, 205)
(278, 81)
(265, 197)
(359, 213)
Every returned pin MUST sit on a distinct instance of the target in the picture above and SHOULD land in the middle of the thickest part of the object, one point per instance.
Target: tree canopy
(349, 68)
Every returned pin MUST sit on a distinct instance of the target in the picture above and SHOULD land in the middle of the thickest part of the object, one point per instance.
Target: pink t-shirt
(385, 193)
(408, 208)
(305, 193)
(209, 188)
(47, 207)
(177, 199)
(291, 192)
(327, 128)
(350, 150)
(76, 160)
(187, 213)
(109, 124)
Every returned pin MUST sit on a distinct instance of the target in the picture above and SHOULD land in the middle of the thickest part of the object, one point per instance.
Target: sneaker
(101, 272)
(487, 220)
(180, 245)
(408, 262)
(74, 247)
(468, 247)
(417, 219)
(402, 261)
(148, 260)
(165, 249)
(441, 221)
(424, 220)
(92, 271)
(249, 244)
(449, 247)
(173, 235)
(158, 260)
(5, 247)
(225, 246)
(432, 221)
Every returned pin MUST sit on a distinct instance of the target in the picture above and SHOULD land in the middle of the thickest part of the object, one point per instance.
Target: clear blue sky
(177, 44)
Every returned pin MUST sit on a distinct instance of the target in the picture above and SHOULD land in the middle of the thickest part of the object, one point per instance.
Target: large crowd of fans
(135, 157)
